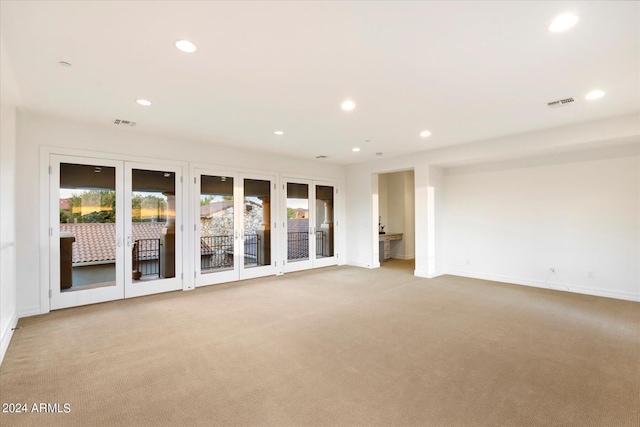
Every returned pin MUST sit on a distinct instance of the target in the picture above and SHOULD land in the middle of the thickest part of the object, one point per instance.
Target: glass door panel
(257, 216)
(152, 236)
(153, 225)
(216, 228)
(324, 221)
(256, 227)
(310, 232)
(298, 229)
(324, 230)
(87, 244)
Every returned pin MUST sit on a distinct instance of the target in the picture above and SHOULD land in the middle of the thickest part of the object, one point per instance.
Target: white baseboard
(361, 264)
(565, 287)
(436, 274)
(420, 273)
(7, 334)
(30, 311)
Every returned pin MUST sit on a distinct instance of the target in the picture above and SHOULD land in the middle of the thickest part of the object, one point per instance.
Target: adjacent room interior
(396, 210)
(320, 213)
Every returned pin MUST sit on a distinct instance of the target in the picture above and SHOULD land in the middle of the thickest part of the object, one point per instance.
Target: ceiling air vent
(560, 103)
(123, 122)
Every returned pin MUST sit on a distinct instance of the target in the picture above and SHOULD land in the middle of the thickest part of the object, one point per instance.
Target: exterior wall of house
(35, 132)
(220, 222)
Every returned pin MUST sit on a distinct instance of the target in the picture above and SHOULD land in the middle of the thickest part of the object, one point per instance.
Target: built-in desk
(385, 244)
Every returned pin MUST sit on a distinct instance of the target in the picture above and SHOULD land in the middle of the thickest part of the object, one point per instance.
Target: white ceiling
(466, 71)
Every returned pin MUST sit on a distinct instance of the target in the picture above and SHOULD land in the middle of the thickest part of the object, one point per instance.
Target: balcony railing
(298, 245)
(216, 252)
(146, 258)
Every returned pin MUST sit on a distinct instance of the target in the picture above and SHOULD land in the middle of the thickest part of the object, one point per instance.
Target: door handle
(119, 241)
(236, 235)
(128, 240)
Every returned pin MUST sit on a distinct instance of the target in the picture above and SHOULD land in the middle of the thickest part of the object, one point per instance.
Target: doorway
(396, 219)
(233, 222)
(309, 227)
(113, 231)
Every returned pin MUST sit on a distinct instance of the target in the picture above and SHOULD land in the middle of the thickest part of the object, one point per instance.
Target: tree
(291, 213)
(100, 203)
(148, 208)
(206, 200)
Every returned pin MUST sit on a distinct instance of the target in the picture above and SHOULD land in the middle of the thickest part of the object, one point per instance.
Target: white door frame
(154, 286)
(264, 270)
(50, 159)
(239, 271)
(332, 260)
(313, 261)
(67, 299)
(213, 277)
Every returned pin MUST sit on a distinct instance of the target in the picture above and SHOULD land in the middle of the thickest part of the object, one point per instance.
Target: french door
(233, 226)
(113, 230)
(308, 228)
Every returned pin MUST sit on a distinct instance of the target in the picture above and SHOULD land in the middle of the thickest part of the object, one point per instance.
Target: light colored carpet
(339, 346)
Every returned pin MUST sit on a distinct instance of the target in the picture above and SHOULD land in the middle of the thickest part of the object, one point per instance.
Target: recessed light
(279, 132)
(64, 64)
(355, 150)
(594, 94)
(563, 22)
(143, 102)
(348, 105)
(425, 133)
(186, 46)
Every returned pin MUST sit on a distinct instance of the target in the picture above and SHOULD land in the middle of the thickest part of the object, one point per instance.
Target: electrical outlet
(552, 270)
(591, 275)
(468, 261)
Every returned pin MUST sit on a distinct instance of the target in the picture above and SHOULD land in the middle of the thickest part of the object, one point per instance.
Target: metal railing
(298, 245)
(320, 244)
(251, 249)
(216, 252)
(146, 258)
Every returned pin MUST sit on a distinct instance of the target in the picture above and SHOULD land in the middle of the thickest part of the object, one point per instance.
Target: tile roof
(208, 210)
(97, 242)
(298, 224)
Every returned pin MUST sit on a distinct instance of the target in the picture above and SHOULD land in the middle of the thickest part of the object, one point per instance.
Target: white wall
(8, 304)
(37, 131)
(383, 200)
(395, 203)
(515, 225)
(605, 139)
(436, 183)
(408, 240)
